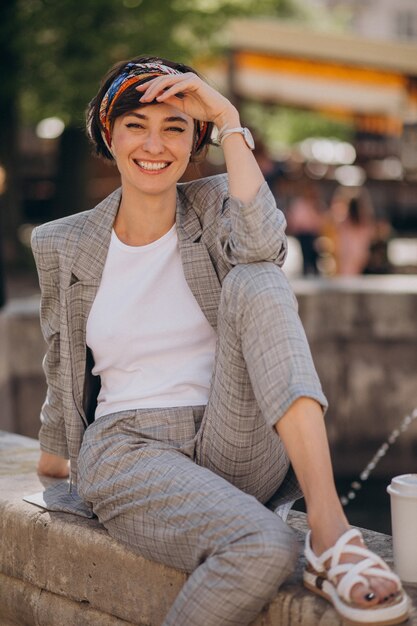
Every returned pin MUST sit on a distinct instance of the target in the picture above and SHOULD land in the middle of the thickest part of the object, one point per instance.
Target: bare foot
(378, 591)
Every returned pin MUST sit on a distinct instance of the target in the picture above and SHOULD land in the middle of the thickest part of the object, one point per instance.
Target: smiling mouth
(149, 166)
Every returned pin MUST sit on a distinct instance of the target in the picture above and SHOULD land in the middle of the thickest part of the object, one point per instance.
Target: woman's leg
(303, 432)
(265, 381)
(136, 471)
(263, 364)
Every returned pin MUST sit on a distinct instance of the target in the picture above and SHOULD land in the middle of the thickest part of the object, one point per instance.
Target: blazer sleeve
(252, 232)
(52, 435)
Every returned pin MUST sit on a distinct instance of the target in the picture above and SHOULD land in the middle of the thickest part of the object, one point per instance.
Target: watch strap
(225, 132)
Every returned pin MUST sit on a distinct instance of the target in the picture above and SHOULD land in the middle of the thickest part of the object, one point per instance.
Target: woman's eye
(133, 125)
(176, 129)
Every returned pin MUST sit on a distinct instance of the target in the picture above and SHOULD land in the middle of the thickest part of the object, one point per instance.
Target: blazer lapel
(89, 259)
(198, 268)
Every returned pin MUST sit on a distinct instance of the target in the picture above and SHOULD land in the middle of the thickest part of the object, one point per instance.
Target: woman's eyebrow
(172, 118)
(176, 118)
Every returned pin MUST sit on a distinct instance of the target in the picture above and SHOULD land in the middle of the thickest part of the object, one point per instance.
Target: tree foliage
(68, 45)
(282, 126)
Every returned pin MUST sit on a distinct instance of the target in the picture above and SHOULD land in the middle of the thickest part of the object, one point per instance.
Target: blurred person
(305, 222)
(180, 383)
(271, 169)
(378, 261)
(353, 227)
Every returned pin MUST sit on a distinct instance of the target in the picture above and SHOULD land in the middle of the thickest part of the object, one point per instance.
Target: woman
(352, 224)
(168, 300)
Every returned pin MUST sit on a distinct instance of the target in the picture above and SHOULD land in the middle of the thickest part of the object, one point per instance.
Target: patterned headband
(134, 73)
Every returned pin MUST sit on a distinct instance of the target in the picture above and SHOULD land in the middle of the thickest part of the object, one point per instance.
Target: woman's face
(152, 147)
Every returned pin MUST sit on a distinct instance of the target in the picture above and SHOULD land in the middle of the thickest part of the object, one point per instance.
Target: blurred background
(329, 89)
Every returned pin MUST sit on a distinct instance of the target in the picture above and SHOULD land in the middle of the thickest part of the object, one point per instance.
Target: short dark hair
(128, 101)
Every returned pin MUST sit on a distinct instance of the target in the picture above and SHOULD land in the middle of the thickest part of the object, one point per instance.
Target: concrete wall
(363, 336)
(6, 421)
(22, 385)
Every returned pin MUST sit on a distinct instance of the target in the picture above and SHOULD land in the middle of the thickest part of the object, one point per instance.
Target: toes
(387, 590)
(379, 591)
(382, 589)
(364, 596)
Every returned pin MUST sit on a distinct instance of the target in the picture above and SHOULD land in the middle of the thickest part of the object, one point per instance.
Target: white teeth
(152, 166)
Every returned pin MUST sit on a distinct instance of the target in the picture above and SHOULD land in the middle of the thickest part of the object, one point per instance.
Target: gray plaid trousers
(184, 486)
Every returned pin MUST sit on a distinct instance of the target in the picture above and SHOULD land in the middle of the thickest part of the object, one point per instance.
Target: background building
(379, 19)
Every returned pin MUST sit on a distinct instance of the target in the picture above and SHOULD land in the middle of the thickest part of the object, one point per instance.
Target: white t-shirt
(152, 344)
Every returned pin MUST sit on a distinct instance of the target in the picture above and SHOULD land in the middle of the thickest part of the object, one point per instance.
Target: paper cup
(403, 492)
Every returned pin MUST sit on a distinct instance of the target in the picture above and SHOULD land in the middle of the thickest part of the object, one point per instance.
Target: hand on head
(189, 93)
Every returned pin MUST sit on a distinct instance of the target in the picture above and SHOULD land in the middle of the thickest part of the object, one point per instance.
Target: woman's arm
(245, 176)
(202, 102)
(251, 227)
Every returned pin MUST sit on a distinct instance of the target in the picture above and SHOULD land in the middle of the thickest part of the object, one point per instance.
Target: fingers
(170, 92)
(164, 87)
(190, 94)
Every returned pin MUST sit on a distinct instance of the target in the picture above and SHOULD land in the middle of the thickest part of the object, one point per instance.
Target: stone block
(26, 346)
(7, 421)
(378, 307)
(57, 568)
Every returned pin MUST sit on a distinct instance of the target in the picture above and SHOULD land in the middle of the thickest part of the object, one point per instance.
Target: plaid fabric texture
(185, 485)
(215, 232)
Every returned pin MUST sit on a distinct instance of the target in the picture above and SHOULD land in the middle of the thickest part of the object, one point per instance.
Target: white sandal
(323, 581)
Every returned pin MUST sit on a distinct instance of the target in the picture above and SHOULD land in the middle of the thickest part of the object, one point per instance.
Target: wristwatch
(245, 132)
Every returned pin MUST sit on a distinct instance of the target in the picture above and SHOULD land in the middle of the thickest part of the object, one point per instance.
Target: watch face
(248, 138)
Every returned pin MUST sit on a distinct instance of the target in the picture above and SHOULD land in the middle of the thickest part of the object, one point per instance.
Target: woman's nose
(153, 143)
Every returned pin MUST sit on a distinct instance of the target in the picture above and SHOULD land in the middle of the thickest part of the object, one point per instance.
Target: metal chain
(356, 485)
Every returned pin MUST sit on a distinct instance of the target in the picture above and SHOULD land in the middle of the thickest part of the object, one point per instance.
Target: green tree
(9, 188)
(69, 45)
(54, 53)
(281, 126)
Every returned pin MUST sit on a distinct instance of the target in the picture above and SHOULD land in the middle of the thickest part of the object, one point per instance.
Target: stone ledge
(57, 568)
(43, 608)
(363, 339)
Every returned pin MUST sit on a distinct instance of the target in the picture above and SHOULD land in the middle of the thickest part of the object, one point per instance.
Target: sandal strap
(360, 573)
(352, 576)
(317, 562)
(341, 547)
(351, 573)
(365, 553)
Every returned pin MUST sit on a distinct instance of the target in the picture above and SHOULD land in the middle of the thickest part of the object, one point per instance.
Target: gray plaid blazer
(215, 232)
